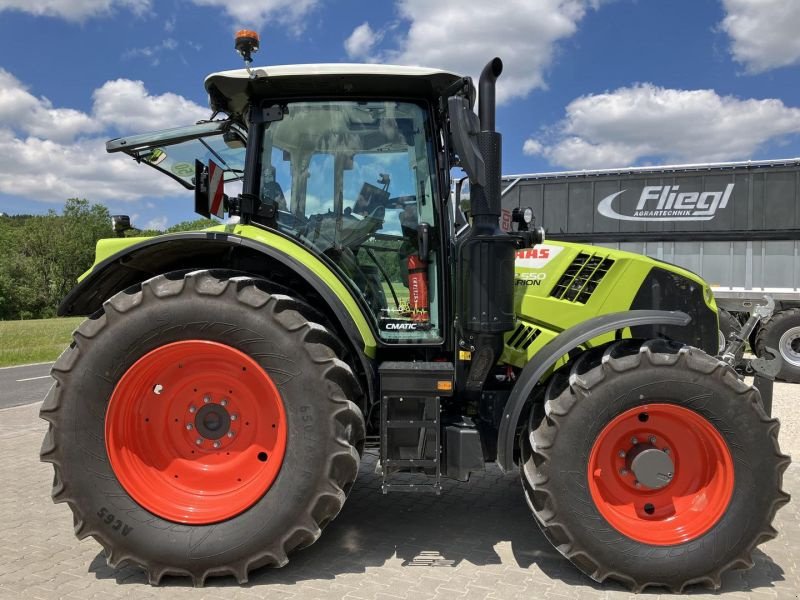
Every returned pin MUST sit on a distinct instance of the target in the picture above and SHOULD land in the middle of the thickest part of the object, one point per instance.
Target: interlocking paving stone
(476, 541)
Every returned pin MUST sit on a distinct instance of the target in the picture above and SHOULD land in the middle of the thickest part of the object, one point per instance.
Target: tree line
(45, 255)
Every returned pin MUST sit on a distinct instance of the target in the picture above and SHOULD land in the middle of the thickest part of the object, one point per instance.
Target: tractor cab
(336, 166)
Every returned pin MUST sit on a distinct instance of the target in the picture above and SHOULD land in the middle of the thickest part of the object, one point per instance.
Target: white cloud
(361, 42)
(532, 147)
(462, 35)
(254, 13)
(764, 33)
(25, 113)
(75, 10)
(48, 171)
(129, 107)
(645, 122)
(53, 153)
(152, 52)
(156, 223)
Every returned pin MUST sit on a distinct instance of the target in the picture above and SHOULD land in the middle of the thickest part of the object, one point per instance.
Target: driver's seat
(272, 191)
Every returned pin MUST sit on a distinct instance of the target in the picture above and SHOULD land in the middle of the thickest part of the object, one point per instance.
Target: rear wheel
(782, 332)
(202, 426)
(653, 465)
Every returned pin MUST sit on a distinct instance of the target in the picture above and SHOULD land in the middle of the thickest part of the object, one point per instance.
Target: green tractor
(210, 414)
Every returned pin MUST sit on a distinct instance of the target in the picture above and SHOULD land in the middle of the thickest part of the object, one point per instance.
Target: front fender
(554, 350)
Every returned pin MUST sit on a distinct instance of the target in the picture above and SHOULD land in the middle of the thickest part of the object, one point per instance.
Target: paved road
(25, 384)
(476, 541)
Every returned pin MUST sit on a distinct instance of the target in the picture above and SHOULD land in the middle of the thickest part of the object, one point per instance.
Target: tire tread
(321, 346)
(616, 358)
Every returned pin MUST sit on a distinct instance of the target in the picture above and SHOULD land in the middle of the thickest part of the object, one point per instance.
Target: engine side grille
(582, 277)
(523, 336)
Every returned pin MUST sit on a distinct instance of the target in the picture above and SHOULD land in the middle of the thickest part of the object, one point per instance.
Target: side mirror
(201, 189)
(209, 196)
(120, 224)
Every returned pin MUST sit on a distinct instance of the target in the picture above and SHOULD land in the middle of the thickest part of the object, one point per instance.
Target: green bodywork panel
(547, 300)
(109, 247)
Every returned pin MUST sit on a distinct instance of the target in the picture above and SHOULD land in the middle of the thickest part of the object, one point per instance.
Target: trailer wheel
(654, 465)
(201, 426)
(782, 332)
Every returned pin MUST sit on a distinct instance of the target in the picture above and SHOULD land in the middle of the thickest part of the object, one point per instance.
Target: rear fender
(214, 249)
(559, 346)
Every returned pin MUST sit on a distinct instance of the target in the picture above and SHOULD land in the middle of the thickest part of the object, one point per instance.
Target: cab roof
(231, 91)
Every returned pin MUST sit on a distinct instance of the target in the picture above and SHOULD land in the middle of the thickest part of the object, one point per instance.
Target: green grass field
(37, 340)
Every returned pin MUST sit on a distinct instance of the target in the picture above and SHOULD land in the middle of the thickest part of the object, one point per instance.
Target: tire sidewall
(708, 396)
(306, 396)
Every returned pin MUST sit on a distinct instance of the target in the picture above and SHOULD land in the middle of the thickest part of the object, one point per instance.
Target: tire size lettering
(113, 522)
(307, 417)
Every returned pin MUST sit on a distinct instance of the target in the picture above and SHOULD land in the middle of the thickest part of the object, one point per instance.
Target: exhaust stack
(486, 198)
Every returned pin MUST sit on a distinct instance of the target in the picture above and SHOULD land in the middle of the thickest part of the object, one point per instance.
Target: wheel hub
(789, 346)
(213, 421)
(652, 467)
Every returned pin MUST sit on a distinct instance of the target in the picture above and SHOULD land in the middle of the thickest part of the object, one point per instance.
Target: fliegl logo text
(668, 203)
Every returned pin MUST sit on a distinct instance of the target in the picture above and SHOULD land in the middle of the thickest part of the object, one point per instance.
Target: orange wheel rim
(682, 504)
(196, 432)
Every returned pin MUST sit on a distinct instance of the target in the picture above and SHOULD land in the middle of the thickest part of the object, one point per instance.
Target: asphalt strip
(47, 362)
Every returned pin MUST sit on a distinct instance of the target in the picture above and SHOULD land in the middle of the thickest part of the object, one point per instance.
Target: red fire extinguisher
(418, 289)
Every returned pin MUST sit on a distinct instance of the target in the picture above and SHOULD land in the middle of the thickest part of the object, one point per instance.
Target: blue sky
(588, 83)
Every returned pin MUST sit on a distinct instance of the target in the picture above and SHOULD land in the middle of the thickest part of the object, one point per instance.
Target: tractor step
(411, 425)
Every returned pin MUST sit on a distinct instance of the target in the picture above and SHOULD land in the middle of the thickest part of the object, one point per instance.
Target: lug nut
(189, 426)
(230, 434)
(192, 409)
(666, 450)
(234, 417)
(623, 472)
(653, 439)
(198, 441)
(224, 402)
(216, 444)
(637, 484)
(634, 441)
(622, 453)
(206, 398)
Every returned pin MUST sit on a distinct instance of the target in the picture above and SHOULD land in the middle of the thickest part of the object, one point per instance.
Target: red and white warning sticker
(215, 188)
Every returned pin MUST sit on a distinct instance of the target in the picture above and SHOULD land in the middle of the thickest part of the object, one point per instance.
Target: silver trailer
(735, 224)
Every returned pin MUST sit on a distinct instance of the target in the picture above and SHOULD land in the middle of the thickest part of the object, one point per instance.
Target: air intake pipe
(485, 255)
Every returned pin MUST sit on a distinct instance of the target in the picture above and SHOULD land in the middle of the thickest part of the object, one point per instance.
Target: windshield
(354, 180)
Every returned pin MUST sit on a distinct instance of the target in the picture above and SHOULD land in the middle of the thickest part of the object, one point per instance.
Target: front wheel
(201, 426)
(654, 465)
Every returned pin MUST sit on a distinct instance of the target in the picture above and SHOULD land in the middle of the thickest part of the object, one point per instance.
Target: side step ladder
(411, 427)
